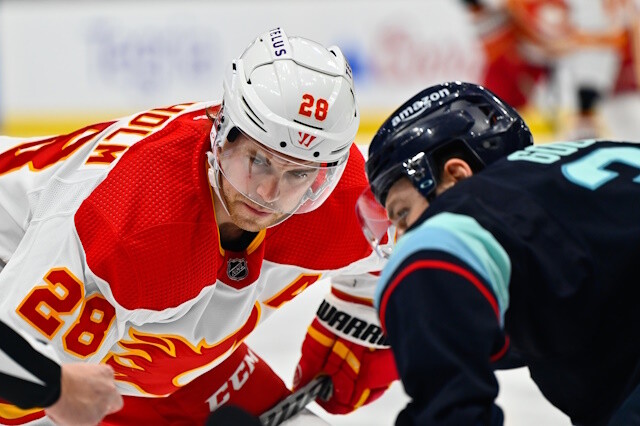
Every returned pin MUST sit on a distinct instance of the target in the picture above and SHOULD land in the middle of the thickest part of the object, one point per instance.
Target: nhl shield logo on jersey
(237, 269)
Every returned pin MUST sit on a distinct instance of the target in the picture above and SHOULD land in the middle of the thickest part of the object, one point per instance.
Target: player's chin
(254, 221)
(257, 225)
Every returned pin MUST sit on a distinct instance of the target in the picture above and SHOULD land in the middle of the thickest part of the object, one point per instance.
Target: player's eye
(402, 214)
(399, 217)
(299, 174)
(397, 214)
(257, 159)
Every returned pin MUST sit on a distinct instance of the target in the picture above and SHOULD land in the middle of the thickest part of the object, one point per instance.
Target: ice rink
(278, 341)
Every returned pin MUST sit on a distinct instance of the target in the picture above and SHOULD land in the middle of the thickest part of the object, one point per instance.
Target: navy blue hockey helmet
(458, 117)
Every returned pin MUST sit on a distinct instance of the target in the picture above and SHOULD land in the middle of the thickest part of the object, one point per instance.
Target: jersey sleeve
(28, 377)
(440, 329)
(441, 301)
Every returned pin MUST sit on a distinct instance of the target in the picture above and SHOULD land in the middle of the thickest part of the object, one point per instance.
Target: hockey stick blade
(320, 387)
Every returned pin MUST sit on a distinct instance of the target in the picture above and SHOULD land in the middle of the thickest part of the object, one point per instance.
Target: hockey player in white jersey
(158, 242)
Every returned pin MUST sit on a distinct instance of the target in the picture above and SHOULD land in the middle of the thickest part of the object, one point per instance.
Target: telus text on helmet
(418, 106)
(277, 42)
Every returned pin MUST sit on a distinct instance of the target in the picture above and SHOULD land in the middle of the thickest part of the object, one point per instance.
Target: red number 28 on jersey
(46, 307)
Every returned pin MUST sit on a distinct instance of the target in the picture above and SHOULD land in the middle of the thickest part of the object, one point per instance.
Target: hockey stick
(320, 387)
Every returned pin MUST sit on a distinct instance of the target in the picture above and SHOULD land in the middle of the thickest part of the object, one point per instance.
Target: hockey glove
(361, 372)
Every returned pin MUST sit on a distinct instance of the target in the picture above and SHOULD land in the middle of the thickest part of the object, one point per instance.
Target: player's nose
(269, 188)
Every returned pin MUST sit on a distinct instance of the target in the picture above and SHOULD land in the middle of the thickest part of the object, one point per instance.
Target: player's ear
(457, 169)
(454, 170)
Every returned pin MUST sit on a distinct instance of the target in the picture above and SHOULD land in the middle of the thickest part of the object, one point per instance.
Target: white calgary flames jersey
(109, 249)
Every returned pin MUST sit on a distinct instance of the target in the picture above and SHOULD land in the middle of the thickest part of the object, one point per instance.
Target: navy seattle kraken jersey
(535, 258)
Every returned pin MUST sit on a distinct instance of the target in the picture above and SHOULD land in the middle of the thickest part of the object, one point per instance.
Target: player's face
(261, 187)
(404, 205)
(245, 214)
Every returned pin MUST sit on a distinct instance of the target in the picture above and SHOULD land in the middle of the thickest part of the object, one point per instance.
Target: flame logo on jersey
(154, 364)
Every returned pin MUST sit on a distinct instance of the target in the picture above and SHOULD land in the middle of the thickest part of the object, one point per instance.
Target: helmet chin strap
(213, 173)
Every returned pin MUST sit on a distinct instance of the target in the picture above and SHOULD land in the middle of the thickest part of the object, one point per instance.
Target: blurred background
(569, 66)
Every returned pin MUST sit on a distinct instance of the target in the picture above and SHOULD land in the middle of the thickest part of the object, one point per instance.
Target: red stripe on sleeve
(436, 264)
(501, 352)
(350, 298)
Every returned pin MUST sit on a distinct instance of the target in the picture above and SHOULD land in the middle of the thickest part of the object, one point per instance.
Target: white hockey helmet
(295, 98)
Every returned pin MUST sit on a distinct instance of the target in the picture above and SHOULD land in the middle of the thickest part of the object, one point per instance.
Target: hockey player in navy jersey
(508, 253)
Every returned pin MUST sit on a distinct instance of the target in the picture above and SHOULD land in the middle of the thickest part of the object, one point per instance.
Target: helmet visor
(375, 225)
(273, 181)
